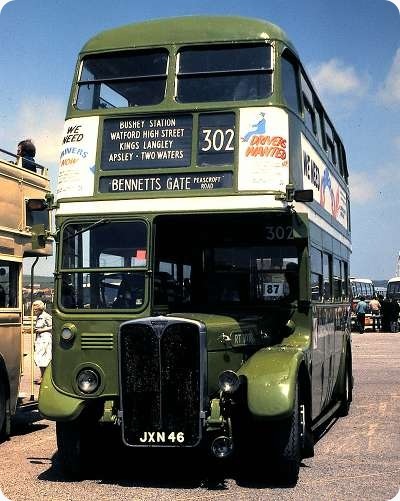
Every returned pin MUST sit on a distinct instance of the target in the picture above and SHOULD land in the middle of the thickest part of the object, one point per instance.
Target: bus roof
(187, 29)
(394, 279)
(362, 280)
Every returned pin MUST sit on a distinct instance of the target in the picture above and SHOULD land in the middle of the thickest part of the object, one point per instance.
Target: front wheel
(347, 394)
(70, 440)
(288, 440)
(3, 401)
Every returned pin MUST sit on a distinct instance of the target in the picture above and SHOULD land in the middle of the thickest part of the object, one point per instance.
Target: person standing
(375, 307)
(386, 314)
(361, 310)
(394, 315)
(27, 151)
(43, 328)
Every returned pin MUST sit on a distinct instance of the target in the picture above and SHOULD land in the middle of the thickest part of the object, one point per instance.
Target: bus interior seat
(126, 297)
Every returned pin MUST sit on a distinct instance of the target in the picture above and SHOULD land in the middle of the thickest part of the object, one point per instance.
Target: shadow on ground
(165, 470)
(28, 421)
(111, 463)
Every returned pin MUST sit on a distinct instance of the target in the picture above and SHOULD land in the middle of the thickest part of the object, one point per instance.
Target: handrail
(18, 163)
(33, 333)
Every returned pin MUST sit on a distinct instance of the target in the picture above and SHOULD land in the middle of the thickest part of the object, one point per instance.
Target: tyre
(3, 401)
(288, 444)
(70, 443)
(347, 394)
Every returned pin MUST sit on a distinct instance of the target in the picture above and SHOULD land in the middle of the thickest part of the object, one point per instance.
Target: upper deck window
(224, 73)
(290, 84)
(122, 79)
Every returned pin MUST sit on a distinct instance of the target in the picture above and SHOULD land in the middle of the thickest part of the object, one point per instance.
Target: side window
(316, 274)
(337, 156)
(309, 113)
(319, 122)
(9, 276)
(344, 164)
(327, 274)
(330, 147)
(290, 84)
(337, 279)
(345, 280)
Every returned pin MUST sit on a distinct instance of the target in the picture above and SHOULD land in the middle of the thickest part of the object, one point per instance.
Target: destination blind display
(166, 182)
(146, 142)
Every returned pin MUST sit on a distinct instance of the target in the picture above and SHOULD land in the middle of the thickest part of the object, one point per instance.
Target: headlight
(228, 381)
(68, 332)
(222, 447)
(88, 381)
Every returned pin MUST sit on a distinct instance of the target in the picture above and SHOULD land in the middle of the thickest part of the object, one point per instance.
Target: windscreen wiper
(84, 230)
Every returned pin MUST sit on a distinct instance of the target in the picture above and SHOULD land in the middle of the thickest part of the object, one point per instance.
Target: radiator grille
(160, 379)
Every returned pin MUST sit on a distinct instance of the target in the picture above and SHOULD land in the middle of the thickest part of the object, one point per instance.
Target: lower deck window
(9, 273)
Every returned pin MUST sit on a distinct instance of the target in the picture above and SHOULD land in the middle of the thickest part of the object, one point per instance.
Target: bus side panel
(271, 381)
(10, 352)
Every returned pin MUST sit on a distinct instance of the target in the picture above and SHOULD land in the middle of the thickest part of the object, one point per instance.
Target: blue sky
(350, 48)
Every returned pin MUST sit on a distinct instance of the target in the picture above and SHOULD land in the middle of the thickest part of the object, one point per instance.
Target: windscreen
(122, 79)
(224, 73)
(103, 265)
(393, 290)
(233, 260)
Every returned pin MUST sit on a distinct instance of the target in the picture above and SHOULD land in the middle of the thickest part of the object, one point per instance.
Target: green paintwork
(271, 368)
(56, 405)
(271, 375)
(220, 328)
(187, 30)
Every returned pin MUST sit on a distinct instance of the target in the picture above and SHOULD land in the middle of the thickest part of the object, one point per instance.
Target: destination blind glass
(166, 141)
(146, 142)
(166, 182)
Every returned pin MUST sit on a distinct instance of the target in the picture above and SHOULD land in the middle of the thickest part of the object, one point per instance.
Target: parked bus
(361, 287)
(22, 193)
(393, 288)
(202, 296)
(393, 294)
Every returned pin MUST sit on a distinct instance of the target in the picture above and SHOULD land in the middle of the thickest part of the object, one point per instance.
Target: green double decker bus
(203, 244)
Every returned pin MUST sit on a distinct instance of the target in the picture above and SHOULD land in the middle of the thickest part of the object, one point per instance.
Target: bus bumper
(56, 406)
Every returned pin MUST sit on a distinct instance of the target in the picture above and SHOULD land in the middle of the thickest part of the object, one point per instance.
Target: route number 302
(217, 140)
(279, 233)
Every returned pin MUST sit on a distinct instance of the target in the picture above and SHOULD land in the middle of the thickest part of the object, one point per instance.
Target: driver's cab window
(103, 265)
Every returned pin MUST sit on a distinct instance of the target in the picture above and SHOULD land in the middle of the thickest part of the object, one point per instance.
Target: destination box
(165, 182)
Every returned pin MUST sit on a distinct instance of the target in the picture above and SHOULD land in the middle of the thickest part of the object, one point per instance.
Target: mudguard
(55, 405)
(271, 376)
